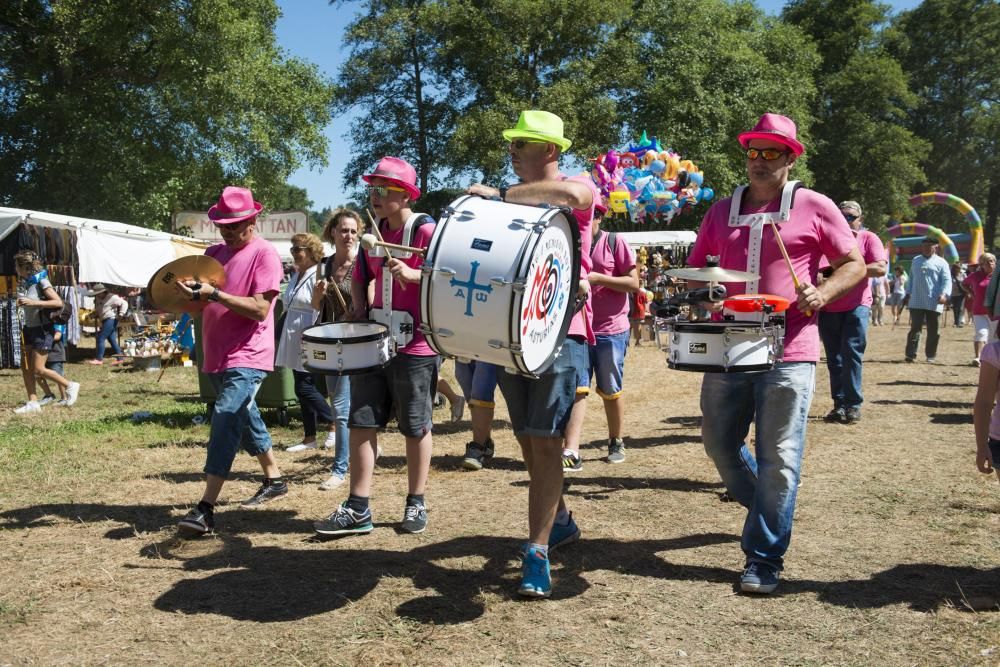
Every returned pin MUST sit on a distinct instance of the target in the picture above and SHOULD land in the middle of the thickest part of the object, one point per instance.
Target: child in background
(986, 413)
(55, 361)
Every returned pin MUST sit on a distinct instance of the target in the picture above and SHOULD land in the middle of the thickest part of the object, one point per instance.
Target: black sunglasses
(850, 217)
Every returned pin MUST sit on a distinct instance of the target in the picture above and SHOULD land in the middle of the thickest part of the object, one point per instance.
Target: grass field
(895, 558)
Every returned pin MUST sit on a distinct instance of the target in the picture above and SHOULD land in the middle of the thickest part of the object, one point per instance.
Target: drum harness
(399, 322)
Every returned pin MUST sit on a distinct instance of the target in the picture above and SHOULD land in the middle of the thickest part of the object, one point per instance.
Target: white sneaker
(330, 442)
(302, 446)
(28, 408)
(332, 483)
(72, 392)
(45, 400)
(378, 452)
(458, 409)
(61, 403)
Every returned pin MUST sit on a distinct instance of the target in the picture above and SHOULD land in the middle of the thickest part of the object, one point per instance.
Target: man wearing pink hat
(237, 350)
(741, 231)
(540, 408)
(405, 388)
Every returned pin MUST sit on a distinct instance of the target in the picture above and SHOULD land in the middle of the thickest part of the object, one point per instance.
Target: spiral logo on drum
(544, 295)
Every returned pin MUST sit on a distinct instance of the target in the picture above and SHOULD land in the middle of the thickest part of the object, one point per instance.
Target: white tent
(110, 252)
(662, 238)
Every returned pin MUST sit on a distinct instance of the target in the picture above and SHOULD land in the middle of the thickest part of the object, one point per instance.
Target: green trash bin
(277, 391)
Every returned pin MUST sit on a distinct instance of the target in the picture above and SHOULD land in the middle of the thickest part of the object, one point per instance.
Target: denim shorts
(478, 380)
(607, 363)
(56, 366)
(995, 451)
(404, 389)
(39, 338)
(540, 407)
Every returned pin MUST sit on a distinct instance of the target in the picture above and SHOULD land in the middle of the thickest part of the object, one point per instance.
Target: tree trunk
(992, 212)
(418, 92)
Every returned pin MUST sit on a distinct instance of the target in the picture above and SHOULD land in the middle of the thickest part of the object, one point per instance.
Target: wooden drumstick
(369, 242)
(788, 261)
(374, 226)
(340, 297)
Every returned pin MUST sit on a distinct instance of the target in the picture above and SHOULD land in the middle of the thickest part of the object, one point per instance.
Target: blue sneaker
(563, 535)
(536, 581)
(759, 577)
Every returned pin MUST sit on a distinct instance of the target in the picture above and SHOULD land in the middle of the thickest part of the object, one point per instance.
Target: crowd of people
(739, 233)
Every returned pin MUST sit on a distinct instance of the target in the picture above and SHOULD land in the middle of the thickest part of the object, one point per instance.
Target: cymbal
(202, 268)
(713, 274)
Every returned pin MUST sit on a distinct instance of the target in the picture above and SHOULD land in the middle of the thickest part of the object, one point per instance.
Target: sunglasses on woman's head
(383, 190)
(768, 154)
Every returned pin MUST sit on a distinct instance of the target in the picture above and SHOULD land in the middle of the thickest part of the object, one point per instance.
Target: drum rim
(715, 368)
(367, 338)
(719, 327)
(350, 371)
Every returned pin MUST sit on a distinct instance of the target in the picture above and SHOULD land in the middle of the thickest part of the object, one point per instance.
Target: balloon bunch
(647, 184)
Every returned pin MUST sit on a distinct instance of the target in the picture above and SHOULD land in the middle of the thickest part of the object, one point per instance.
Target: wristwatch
(196, 292)
(214, 296)
(503, 193)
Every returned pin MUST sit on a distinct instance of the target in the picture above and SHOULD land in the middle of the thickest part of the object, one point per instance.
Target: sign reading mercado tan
(275, 226)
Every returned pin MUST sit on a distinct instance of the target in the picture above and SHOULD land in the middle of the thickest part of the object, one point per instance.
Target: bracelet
(503, 193)
(196, 292)
(214, 296)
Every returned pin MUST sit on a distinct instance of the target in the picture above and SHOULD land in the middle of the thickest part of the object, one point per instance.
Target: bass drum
(499, 283)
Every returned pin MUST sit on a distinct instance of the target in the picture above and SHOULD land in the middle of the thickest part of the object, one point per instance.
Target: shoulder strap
(612, 239)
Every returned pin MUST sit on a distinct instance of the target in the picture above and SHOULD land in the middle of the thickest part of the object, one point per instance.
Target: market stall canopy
(662, 238)
(110, 252)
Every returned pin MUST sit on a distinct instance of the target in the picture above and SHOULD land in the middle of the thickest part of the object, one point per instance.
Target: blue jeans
(478, 381)
(107, 333)
(845, 336)
(314, 406)
(777, 402)
(236, 421)
(339, 389)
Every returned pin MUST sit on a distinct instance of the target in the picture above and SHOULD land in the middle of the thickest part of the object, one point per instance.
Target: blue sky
(311, 30)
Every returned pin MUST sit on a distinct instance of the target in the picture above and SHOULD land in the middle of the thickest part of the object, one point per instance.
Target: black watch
(196, 292)
(214, 296)
(503, 193)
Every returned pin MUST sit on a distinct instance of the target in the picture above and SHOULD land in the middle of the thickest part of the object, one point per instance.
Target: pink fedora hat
(235, 205)
(774, 127)
(398, 172)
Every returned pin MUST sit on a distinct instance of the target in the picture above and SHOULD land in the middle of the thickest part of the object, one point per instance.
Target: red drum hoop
(754, 303)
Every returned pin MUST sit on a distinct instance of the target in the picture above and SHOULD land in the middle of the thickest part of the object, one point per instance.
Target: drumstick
(788, 261)
(370, 242)
(374, 225)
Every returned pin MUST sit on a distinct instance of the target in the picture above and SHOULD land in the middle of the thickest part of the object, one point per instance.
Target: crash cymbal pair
(713, 274)
(200, 268)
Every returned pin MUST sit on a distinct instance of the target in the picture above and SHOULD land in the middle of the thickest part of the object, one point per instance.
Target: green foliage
(130, 110)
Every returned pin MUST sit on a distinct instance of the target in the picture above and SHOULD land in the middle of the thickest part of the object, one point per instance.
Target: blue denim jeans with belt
(236, 420)
(845, 337)
(338, 387)
(766, 482)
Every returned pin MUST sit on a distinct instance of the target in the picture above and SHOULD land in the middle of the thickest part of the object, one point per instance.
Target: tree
(406, 111)
(862, 149)
(132, 109)
(951, 50)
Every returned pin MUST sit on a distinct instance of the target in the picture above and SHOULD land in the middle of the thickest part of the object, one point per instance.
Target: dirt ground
(895, 558)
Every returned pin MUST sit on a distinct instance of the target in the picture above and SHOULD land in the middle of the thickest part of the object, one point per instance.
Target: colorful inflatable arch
(948, 248)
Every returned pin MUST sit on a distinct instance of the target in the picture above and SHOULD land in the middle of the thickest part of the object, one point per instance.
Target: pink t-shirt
(582, 323)
(991, 357)
(404, 297)
(816, 228)
(978, 281)
(872, 250)
(610, 306)
(231, 340)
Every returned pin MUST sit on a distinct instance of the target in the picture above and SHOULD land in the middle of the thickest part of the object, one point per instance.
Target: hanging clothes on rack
(10, 324)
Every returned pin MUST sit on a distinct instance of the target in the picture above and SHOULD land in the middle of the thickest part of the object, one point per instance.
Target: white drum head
(548, 294)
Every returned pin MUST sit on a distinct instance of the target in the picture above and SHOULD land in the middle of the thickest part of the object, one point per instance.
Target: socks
(358, 504)
(562, 518)
(206, 507)
(415, 499)
(544, 548)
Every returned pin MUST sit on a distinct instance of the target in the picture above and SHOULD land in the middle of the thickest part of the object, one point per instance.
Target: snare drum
(724, 347)
(755, 307)
(346, 348)
(499, 283)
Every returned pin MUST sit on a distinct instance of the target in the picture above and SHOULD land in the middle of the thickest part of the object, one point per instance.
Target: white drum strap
(757, 222)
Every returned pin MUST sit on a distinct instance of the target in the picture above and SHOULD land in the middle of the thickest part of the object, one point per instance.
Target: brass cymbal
(713, 274)
(202, 268)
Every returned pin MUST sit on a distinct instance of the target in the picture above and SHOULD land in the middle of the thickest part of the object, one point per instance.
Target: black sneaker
(268, 491)
(345, 521)
(571, 462)
(836, 416)
(196, 523)
(476, 454)
(616, 450)
(414, 518)
(852, 415)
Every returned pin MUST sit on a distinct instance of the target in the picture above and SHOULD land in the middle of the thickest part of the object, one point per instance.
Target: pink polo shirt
(816, 229)
(404, 297)
(610, 306)
(230, 340)
(582, 324)
(872, 250)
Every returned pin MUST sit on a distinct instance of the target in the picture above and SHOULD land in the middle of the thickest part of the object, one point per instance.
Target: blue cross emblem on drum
(472, 286)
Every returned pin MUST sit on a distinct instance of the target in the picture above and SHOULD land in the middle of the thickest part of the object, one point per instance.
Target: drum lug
(515, 348)
(447, 272)
(518, 285)
(444, 333)
(500, 281)
(496, 344)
